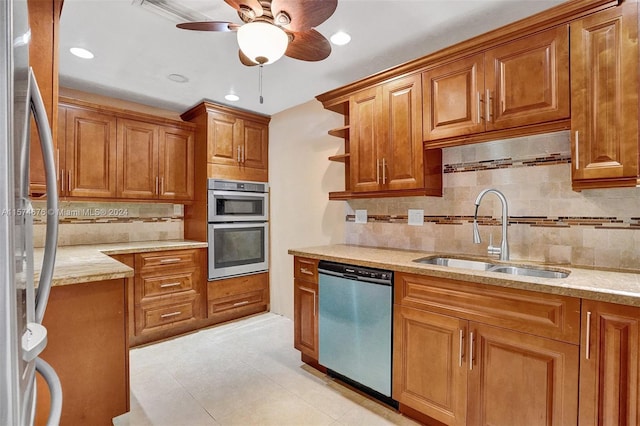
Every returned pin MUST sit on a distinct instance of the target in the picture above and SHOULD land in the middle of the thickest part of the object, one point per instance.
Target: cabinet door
(609, 364)
(515, 376)
(401, 132)
(90, 150)
(306, 317)
(528, 80)
(604, 98)
(221, 145)
(365, 109)
(452, 99)
(137, 159)
(176, 164)
(430, 364)
(255, 145)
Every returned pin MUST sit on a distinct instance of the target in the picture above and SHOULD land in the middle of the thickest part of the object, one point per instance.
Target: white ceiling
(136, 49)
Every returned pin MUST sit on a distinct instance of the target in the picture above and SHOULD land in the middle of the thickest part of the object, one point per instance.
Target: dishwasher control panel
(356, 272)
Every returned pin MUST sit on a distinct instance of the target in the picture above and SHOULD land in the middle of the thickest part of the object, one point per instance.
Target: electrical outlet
(361, 216)
(416, 217)
(177, 210)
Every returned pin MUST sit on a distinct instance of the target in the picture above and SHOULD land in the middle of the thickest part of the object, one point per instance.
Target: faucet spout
(503, 251)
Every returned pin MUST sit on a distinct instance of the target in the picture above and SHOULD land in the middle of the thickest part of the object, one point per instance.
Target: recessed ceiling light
(178, 78)
(232, 97)
(340, 38)
(81, 53)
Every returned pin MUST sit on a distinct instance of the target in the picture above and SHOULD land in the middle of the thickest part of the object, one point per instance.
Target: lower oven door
(237, 249)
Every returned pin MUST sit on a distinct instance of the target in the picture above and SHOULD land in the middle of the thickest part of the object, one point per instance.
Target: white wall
(301, 178)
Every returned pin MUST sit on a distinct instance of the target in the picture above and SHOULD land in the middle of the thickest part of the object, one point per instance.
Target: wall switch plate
(177, 210)
(361, 216)
(416, 217)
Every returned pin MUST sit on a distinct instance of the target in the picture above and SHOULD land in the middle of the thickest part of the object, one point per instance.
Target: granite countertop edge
(90, 263)
(587, 283)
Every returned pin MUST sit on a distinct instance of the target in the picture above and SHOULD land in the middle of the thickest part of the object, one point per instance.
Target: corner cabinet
(384, 152)
(604, 99)
(305, 307)
(609, 364)
(521, 83)
(236, 141)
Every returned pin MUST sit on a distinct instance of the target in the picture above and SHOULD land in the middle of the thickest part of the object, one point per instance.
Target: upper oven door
(232, 206)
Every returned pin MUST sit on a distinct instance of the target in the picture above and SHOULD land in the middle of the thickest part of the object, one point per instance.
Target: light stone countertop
(87, 263)
(594, 284)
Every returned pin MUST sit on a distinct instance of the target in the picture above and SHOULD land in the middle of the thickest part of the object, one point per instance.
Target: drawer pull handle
(170, 285)
(305, 271)
(173, 260)
(171, 314)
(244, 302)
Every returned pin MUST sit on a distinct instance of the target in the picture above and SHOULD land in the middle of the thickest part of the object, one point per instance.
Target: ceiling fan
(273, 28)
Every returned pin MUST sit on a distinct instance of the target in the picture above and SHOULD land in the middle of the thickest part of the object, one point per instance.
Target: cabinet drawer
(239, 292)
(306, 269)
(547, 315)
(170, 314)
(236, 301)
(166, 260)
(166, 284)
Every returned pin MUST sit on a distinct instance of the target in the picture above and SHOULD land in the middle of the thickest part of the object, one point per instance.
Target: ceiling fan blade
(308, 45)
(245, 59)
(209, 26)
(244, 6)
(304, 14)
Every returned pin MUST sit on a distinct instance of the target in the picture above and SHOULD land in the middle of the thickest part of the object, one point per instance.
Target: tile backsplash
(100, 223)
(548, 221)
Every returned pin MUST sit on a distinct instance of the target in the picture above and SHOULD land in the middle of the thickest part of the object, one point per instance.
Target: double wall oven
(238, 232)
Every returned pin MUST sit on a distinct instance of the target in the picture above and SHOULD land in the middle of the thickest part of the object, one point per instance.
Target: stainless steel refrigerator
(22, 305)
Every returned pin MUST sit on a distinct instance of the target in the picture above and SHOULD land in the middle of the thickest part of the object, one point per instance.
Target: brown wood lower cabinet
(609, 372)
(167, 294)
(87, 346)
(237, 297)
(305, 307)
(454, 368)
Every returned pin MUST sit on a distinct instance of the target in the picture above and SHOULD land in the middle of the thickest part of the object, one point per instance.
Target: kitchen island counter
(621, 287)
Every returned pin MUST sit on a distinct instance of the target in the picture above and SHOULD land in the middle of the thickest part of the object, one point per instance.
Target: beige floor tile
(241, 373)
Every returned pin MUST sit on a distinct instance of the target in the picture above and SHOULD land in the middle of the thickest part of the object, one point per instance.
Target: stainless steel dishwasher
(355, 326)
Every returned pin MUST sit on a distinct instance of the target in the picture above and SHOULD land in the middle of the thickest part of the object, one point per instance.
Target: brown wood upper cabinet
(106, 154)
(385, 140)
(237, 142)
(87, 153)
(604, 99)
(154, 161)
(44, 20)
(520, 83)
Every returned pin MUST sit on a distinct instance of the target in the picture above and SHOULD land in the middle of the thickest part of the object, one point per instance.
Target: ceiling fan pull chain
(260, 84)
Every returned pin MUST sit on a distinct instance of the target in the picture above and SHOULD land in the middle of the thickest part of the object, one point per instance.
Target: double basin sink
(477, 265)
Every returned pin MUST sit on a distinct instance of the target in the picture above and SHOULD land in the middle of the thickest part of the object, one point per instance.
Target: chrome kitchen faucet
(503, 250)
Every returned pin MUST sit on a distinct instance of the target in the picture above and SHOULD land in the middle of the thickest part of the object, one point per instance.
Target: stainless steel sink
(456, 263)
(479, 265)
(528, 272)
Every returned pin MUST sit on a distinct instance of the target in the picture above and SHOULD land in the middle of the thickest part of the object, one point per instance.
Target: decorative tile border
(534, 221)
(504, 163)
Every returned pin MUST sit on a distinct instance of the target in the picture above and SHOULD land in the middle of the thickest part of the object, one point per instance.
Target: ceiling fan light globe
(262, 40)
